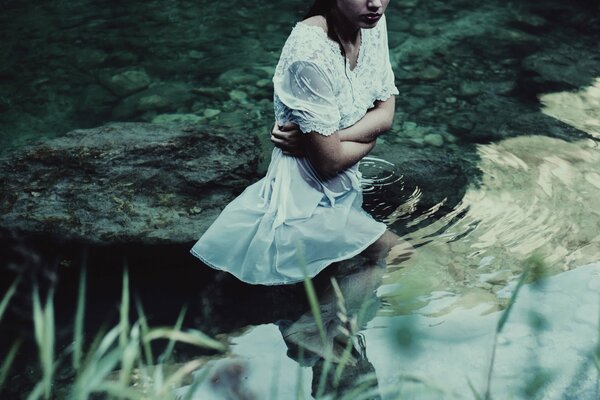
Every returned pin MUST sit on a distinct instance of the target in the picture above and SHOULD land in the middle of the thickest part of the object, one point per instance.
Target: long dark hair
(324, 8)
(319, 7)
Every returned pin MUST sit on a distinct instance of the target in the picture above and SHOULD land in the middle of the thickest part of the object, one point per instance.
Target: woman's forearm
(353, 153)
(330, 155)
(376, 121)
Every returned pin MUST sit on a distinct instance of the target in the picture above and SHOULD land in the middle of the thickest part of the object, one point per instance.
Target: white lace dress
(292, 223)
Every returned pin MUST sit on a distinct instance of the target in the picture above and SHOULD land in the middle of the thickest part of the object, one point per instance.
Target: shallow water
(434, 353)
(530, 192)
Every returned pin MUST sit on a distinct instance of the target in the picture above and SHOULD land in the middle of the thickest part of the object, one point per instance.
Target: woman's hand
(289, 139)
(376, 121)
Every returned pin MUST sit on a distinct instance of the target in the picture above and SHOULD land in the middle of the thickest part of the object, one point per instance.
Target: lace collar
(335, 48)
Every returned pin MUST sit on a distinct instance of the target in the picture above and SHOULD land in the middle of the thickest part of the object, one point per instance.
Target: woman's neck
(344, 29)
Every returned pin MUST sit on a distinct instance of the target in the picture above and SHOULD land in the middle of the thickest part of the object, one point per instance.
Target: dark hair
(319, 7)
(324, 8)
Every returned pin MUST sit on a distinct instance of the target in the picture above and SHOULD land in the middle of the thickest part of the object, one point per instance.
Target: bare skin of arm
(375, 122)
(331, 154)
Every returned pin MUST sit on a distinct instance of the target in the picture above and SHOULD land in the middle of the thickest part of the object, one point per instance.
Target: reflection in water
(379, 176)
(537, 195)
(545, 351)
(337, 353)
(580, 109)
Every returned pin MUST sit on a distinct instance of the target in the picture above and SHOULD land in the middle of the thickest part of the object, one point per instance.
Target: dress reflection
(337, 352)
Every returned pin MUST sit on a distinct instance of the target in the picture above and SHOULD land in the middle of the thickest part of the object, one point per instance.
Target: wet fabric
(293, 222)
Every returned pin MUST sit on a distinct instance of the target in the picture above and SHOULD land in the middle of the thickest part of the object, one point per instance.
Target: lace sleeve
(303, 84)
(388, 87)
(307, 91)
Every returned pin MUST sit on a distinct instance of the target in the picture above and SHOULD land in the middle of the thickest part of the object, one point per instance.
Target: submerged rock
(162, 96)
(125, 82)
(126, 182)
(564, 67)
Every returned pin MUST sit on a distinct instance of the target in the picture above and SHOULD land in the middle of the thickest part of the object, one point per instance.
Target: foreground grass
(114, 359)
(121, 361)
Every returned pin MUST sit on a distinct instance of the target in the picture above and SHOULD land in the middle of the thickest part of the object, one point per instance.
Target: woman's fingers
(287, 138)
(289, 127)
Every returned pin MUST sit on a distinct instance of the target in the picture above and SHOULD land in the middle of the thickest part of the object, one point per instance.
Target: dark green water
(510, 89)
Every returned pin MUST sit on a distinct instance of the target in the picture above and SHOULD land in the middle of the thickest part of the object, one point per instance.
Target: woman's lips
(371, 18)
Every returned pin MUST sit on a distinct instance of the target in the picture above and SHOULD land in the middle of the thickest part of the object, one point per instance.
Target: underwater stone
(214, 93)
(196, 55)
(94, 96)
(565, 67)
(450, 100)
(461, 124)
(238, 95)
(182, 118)
(87, 58)
(423, 29)
(431, 73)
(468, 89)
(434, 139)
(231, 119)
(174, 96)
(263, 83)
(126, 182)
(211, 112)
(152, 102)
(237, 76)
(126, 82)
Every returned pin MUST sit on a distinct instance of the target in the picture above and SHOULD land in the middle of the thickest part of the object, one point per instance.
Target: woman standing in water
(334, 83)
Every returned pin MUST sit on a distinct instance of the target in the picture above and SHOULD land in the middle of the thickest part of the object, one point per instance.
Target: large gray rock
(126, 183)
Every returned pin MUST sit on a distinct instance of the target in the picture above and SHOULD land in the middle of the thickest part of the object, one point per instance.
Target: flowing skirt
(289, 225)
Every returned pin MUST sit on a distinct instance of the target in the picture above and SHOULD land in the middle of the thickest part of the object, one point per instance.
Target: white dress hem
(321, 266)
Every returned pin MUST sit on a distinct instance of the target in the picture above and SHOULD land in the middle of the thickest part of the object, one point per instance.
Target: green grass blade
(323, 378)
(105, 344)
(8, 296)
(171, 345)
(315, 308)
(94, 374)
(300, 384)
(597, 350)
(191, 337)
(48, 365)
(197, 382)
(37, 392)
(476, 394)
(38, 319)
(145, 329)
(8, 360)
(339, 370)
(131, 354)
(175, 379)
(365, 389)
(124, 310)
(79, 318)
(43, 321)
(511, 302)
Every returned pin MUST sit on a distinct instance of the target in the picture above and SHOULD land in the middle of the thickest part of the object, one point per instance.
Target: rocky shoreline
(467, 75)
(126, 183)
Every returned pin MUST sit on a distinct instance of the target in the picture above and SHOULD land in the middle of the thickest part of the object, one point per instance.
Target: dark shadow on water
(164, 278)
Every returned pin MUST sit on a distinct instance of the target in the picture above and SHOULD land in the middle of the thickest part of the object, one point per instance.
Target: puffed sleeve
(388, 87)
(307, 93)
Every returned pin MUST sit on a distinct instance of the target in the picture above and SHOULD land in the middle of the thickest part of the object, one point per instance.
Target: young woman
(334, 84)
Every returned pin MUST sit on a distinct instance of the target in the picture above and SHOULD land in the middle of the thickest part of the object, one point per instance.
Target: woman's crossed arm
(344, 148)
